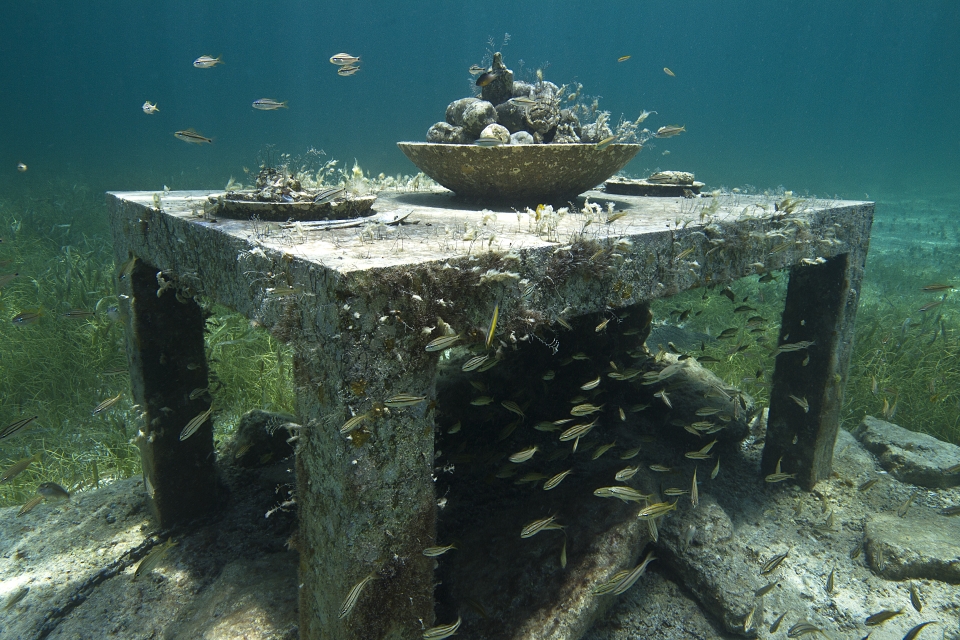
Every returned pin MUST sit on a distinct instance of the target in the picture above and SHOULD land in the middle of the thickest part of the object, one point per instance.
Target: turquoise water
(825, 97)
(855, 99)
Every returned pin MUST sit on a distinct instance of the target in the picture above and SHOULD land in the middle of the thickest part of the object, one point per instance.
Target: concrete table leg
(821, 307)
(165, 349)
(366, 499)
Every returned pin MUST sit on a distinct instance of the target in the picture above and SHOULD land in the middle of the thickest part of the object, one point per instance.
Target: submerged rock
(923, 544)
(501, 88)
(447, 133)
(477, 116)
(910, 457)
(260, 438)
(521, 137)
(496, 132)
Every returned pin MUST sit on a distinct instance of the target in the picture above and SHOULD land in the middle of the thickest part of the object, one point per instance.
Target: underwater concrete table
(360, 305)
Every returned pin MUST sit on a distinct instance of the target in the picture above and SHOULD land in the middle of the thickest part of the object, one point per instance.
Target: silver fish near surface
(191, 136)
(267, 104)
(207, 62)
(344, 59)
(150, 108)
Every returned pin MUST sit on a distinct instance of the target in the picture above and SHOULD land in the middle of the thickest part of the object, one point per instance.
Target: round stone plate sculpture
(522, 173)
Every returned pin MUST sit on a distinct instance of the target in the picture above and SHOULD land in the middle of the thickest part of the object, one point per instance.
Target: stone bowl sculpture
(527, 173)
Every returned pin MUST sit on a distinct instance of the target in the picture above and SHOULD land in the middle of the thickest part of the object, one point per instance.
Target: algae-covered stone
(521, 137)
(594, 133)
(456, 109)
(568, 128)
(501, 88)
(446, 133)
(476, 116)
(693, 388)
(261, 439)
(497, 132)
(511, 116)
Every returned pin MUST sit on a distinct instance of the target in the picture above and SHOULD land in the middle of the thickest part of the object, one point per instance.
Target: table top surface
(438, 227)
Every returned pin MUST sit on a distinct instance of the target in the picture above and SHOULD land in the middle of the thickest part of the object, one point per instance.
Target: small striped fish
(474, 363)
(443, 342)
(593, 384)
(627, 494)
(28, 507)
(353, 423)
(656, 510)
(577, 431)
(584, 410)
(442, 631)
(106, 404)
(632, 576)
(403, 400)
(152, 559)
(13, 428)
(523, 456)
(555, 480)
(625, 474)
(433, 552)
(353, 596)
(18, 467)
(189, 135)
(535, 527)
(195, 424)
(513, 407)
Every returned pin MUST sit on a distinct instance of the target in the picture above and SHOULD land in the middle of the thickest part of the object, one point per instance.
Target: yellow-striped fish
(353, 596)
(106, 404)
(15, 427)
(633, 575)
(442, 631)
(513, 407)
(694, 492)
(442, 343)
(353, 423)
(577, 431)
(433, 552)
(493, 324)
(656, 510)
(523, 456)
(602, 450)
(584, 410)
(474, 363)
(191, 136)
(18, 467)
(152, 559)
(28, 507)
(195, 424)
(544, 524)
(403, 400)
(592, 384)
(627, 494)
(625, 474)
(556, 480)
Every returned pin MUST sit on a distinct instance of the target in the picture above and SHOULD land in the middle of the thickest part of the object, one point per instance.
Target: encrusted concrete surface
(360, 306)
